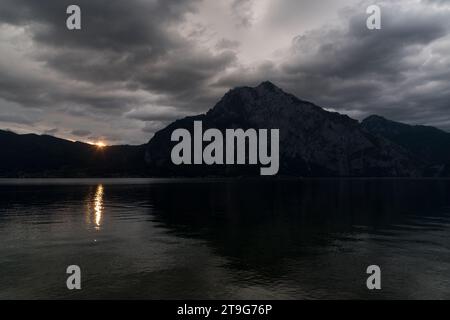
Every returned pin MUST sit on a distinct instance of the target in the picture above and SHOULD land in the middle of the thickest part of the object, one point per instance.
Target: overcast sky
(136, 65)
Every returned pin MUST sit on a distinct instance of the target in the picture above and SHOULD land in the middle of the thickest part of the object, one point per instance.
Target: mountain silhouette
(313, 143)
(429, 144)
(32, 155)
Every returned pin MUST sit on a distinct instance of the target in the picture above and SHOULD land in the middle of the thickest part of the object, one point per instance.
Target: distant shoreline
(141, 181)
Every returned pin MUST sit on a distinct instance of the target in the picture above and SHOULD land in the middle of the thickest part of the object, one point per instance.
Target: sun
(100, 144)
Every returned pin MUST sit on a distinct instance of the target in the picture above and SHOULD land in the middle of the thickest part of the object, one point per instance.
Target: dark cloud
(375, 71)
(153, 126)
(400, 71)
(243, 12)
(14, 118)
(437, 2)
(81, 133)
(51, 132)
(191, 71)
(128, 54)
(109, 25)
(119, 42)
(155, 113)
(137, 65)
(15, 114)
(227, 44)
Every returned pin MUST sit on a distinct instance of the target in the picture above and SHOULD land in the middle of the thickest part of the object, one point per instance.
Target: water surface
(225, 239)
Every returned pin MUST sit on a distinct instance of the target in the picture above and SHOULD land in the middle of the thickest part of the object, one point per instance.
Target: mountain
(427, 143)
(33, 155)
(313, 141)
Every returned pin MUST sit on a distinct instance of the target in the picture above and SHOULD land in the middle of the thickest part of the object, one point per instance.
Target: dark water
(226, 239)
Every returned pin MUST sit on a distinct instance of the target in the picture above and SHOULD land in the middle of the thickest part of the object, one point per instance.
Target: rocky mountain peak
(375, 118)
(313, 141)
(268, 86)
(263, 91)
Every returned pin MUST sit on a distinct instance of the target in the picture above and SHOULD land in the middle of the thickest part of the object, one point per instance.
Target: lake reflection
(94, 207)
(255, 239)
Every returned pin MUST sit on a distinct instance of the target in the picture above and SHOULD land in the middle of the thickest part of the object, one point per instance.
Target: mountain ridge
(32, 155)
(428, 143)
(314, 142)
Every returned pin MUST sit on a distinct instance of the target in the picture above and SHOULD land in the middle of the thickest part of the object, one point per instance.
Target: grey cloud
(437, 2)
(358, 51)
(374, 71)
(130, 44)
(400, 71)
(51, 131)
(125, 53)
(250, 76)
(106, 25)
(81, 133)
(243, 12)
(155, 113)
(193, 70)
(14, 118)
(153, 126)
(131, 57)
(227, 44)
(15, 114)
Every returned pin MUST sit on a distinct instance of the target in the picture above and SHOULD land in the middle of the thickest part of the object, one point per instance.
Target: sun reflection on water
(98, 206)
(95, 202)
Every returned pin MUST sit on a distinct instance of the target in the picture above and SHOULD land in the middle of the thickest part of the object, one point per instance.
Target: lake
(225, 239)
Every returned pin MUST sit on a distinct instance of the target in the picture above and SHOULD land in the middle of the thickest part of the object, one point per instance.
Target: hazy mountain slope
(32, 155)
(431, 144)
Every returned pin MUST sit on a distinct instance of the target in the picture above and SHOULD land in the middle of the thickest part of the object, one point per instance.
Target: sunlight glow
(98, 206)
(99, 144)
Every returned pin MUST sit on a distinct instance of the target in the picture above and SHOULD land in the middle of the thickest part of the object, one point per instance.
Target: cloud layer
(137, 65)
